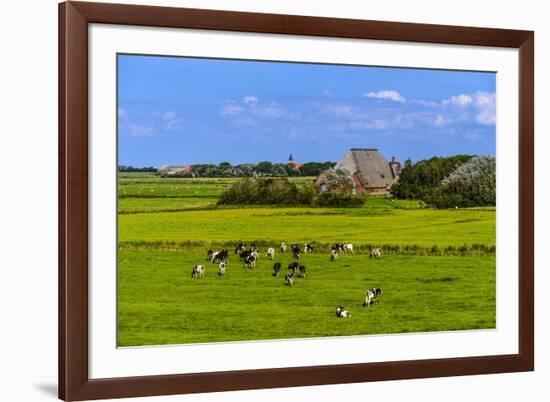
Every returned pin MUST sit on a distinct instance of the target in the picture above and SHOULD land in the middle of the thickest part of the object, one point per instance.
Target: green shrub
(281, 191)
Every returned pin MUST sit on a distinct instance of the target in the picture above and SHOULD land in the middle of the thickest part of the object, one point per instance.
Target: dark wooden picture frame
(74, 381)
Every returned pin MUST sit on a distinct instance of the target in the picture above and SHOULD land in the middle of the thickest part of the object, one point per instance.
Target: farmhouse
(174, 170)
(368, 170)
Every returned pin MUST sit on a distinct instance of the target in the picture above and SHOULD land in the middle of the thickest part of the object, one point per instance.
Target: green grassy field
(167, 225)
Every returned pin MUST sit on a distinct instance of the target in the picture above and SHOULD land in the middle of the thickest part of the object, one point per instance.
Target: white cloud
(250, 100)
(425, 103)
(462, 100)
(337, 110)
(170, 119)
(481, 104)
(141, 131)
(272, 110)
(231, 109)
(168, 116)
(386, 95)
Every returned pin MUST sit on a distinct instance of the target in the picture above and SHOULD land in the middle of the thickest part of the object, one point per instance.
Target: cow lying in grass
(341, 313)
(371, 296)
(198, 271)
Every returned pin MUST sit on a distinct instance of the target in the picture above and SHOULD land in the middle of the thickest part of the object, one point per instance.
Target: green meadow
(437, 268)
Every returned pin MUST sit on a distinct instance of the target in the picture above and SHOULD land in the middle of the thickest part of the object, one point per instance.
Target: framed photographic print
(259, 200)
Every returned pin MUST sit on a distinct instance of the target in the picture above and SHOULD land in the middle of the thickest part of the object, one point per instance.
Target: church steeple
(290, 159)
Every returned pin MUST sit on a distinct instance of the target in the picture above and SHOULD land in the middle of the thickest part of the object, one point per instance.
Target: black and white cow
(276, 269)
(293, 267)
(250, 261)
(240, 247)
(375, 253)
(220, 256)
(341, 313)
(308, 248)
(348, 248)
(333, 254)
(338, 247)
(198, 271)
(371, 296)
(245, 254)
(302, 273)
(295, 251)
(289, 279)
(270, 253)
(283, 247)
(221, 268)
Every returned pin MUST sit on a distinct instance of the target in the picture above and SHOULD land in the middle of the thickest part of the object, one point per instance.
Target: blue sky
(185, 111)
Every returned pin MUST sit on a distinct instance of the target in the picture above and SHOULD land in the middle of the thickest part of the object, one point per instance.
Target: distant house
(174, 170)
(369, 171)
(293, 164)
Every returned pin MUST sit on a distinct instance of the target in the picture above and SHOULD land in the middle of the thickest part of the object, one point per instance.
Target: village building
(367, 169)
(174, 170)
(293, 164)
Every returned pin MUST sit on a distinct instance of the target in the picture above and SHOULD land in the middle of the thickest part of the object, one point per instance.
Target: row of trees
(281, 191)
(264, 168)
(124, 168)
(457, 181)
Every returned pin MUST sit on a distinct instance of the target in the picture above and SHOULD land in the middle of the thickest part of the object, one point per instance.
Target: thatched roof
(369, 166)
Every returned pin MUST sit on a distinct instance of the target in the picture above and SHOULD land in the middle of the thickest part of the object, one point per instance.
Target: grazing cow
(270, 253)
(338, 247)
(293, 267)
(308, 248)
(198, 271)
(333, 255)
(221, 268)
(377, 292)
(220, 256)
(302, 273)
(250, 261)
(295, 251)
(348, 248)
(240, 247)
(371, 296)
(283, 247)
(375, 253)
(276, 269)
(289, 279)
(341, 313)
(244, 255)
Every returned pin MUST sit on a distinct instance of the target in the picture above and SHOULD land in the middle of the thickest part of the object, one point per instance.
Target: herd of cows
(250, 256)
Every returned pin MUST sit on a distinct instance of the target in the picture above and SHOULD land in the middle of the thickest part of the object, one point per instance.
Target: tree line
(456, 181)
(264, 168)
